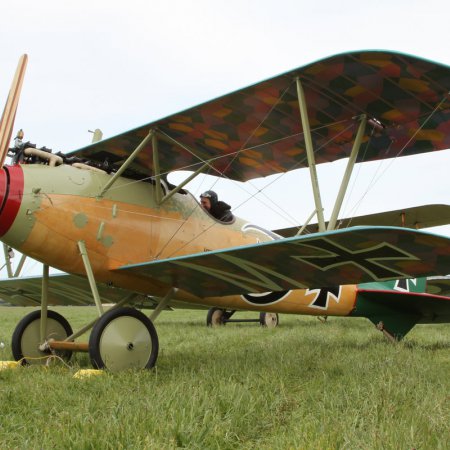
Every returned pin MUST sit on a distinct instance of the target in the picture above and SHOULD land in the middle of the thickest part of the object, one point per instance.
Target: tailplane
(394, 307)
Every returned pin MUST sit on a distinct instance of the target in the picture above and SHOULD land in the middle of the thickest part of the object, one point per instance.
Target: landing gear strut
(121, 338)
(219, 316)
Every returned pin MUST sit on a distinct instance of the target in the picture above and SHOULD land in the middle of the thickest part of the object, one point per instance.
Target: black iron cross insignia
(323, 295)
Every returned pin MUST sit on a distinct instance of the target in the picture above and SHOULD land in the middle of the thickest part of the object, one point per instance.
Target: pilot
(218, 209)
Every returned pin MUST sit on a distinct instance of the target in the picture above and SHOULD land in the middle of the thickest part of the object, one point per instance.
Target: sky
(117, 65)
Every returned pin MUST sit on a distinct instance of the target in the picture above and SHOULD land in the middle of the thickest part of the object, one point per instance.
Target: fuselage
(45, 211)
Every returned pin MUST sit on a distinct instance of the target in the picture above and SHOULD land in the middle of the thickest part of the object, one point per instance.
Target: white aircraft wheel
(123, 338)
(26, 337)
(215, 317)
(268, 320)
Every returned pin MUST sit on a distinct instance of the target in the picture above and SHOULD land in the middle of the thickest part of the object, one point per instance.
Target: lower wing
(73, 290)
(349, 256)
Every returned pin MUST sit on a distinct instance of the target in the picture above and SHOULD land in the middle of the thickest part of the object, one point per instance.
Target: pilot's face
(206, 203)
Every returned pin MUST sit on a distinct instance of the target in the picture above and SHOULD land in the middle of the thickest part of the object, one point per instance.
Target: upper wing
(417, 217)
(256, 131)
(354, 255)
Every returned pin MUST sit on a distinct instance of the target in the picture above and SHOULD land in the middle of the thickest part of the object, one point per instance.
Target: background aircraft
(107, 212)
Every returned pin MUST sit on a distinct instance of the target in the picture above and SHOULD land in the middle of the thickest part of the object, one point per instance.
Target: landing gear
(216, 317)
(219, 316)
(123, 338)
(269, 320)
(26, 341)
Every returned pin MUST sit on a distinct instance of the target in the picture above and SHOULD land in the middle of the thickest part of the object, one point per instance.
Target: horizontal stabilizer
(398, 312)
(429, 308)
(350, 256)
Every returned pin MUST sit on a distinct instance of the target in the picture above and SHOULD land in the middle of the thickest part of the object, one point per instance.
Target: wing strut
(90, 276)
(163, 303)
(8, 256)
(156, 169)
(20, 266)
(348, 172)
(154, 135)
(310, 154)
(312, 163)
(128, 161)
(159, 198)
(44, 302)
(183, 183)
(300, 231)
(127, 299)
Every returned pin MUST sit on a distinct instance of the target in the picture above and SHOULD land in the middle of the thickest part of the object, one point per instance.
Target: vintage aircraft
(107, 216)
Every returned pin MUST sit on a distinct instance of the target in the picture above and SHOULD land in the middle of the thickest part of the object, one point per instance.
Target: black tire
(215, 317)
(269, 320)
(26, 337)
(135, 344)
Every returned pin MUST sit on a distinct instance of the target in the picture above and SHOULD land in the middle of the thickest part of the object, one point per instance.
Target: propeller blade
(9, 113)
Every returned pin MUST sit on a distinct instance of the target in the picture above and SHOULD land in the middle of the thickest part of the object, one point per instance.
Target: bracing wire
(252, 196)
(378, 173)
(221, 173)
(374, 180)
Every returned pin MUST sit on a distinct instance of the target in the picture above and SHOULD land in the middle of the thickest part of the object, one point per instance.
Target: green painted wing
(256, 131)
(354, 255)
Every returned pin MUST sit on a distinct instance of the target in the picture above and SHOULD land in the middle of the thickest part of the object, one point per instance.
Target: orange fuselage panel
(46, 211)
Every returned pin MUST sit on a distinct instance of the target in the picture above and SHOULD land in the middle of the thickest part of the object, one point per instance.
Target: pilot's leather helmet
(213, 198)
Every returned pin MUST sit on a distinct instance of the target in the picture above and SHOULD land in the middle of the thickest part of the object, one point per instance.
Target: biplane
(108, 217)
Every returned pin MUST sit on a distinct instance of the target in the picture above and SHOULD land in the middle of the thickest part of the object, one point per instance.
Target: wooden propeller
(9, 113)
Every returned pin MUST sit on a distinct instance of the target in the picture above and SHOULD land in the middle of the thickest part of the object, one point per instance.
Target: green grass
(304, 385)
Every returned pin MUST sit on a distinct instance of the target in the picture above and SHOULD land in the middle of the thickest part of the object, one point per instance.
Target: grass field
(304, 385)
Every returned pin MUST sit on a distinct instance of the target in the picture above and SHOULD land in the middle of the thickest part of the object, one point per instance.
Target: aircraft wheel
(215, 317)
(123, 338)
(268, 320)
(26, 337)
